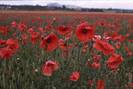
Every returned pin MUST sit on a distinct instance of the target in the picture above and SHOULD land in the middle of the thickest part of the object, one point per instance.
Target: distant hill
(54, 5)
(57, 6)
(73, 7)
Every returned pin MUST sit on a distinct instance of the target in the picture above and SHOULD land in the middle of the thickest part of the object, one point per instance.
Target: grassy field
(66, 50)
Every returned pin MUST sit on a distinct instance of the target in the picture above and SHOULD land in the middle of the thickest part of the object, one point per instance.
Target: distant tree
(64, 7)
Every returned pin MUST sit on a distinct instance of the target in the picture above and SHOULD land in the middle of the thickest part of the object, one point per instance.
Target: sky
(119, 4)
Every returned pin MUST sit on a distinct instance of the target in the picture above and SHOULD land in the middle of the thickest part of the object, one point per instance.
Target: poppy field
(66, 50)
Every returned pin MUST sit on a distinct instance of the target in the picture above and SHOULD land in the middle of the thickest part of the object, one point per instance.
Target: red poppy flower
(130, 40)
(48, 27)
(39, 19)
(14, 24)
(63, 30)
(30, 30)
(100, 84)
(50, 42)
(97, 58)
(104, 46)
(84, 32)
(24, 38)
(5, 53)
(63, 45)
(96, 37)
(128, 51)
(118, 37)
(84, 48)
(95, 65)
(35, 36)
(75, 76)
(2, 42)
(41, 29)
(118, 45)
(12, 44)
(49, 67)
(90, 83)
(68, 36)
(114, 61)
(21, 27)
(130, 85)
(4, 30)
